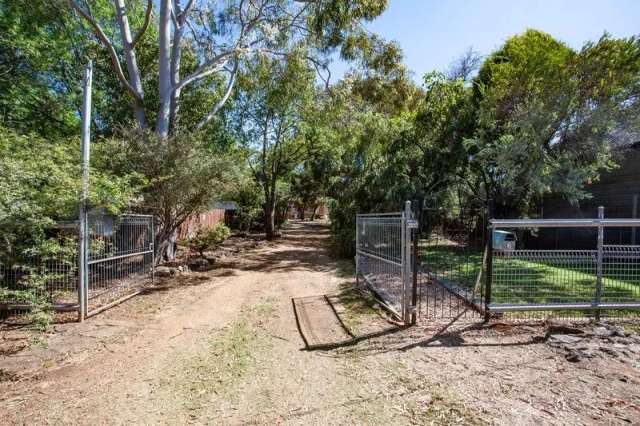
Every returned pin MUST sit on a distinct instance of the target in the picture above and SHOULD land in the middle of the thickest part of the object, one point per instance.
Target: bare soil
(275, 334)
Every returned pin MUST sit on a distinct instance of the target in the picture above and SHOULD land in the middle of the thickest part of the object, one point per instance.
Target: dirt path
(224, 347)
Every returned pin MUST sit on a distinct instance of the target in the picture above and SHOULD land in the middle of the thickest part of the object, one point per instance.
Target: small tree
(182, 174)
(208, 238)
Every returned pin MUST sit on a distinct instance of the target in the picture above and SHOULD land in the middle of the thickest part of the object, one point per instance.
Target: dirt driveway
(224, 347)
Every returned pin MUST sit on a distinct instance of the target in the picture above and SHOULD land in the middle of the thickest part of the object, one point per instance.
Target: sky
(432, 33)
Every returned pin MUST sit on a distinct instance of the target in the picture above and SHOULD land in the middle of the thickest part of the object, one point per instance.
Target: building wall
(615, 191)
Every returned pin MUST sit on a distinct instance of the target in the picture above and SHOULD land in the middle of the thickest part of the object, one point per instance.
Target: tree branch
(109, 46)
(223, 100)
(217, 62)
(145, 25)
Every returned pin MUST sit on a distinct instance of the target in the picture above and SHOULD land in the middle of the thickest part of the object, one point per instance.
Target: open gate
(412, 274)
(384, 259)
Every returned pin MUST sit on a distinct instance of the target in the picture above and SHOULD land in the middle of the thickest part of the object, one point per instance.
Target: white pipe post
(599, 259)
(407, 280)
(634, 214)
(83, 243)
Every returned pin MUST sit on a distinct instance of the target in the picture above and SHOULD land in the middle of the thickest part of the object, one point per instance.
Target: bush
(39, 186)
(208, 238)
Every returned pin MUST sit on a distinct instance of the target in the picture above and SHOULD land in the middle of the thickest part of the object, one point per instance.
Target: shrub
(208, 238)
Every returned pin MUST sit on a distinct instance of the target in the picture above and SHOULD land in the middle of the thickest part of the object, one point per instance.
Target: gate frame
(596, 305)
(408, 264)
(84, 283)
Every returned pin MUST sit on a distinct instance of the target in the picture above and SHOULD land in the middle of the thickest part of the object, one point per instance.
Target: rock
(609, 351)
(563, 329)
(602, 332)
(199, 264)
(565, 339)
(573, 356)
(618, 332)
(164, 271)
(635, 348)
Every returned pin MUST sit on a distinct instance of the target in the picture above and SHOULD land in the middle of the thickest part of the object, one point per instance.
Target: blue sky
(434, 32)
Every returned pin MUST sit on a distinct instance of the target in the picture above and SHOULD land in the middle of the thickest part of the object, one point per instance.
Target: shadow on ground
(351, 321)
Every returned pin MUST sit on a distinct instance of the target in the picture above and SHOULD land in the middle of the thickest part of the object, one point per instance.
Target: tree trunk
(164, 73)
(132, 63)
(270, 218)
(313, 215)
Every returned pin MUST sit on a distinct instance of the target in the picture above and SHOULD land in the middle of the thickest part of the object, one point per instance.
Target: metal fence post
(489, 249)
(153, 253)
(357, 246)
(634, 214)
(407, 264)
(414, 284)
(599, 266)
(82, 243)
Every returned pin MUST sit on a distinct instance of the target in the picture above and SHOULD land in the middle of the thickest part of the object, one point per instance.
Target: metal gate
(119, 259)
(470, 266)
(384, 259)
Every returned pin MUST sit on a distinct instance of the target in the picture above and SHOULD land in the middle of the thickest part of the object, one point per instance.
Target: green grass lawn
(541, 281)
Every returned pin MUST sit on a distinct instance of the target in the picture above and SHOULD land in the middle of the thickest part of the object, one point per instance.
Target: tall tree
(547, 116)
(275, 94)
(220, 35)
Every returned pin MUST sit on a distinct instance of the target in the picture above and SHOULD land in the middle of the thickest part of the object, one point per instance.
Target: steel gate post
(357, 247)
(407, 264)
(489, 271)
(152, 245)
(600, 256)
(83, 246)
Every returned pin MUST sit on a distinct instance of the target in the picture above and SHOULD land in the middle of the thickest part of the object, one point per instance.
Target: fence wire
(601, 281)
(120, 261)
(120, 258)
(469, 267)
(451, 257)
(379, 256)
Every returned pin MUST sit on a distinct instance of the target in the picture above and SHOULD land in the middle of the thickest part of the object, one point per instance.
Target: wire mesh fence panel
(120, 261)
(50, 279)
(120, 258)
(621, 280)
(530, 280)
(379, 256)
(451, 256)
(543, 276)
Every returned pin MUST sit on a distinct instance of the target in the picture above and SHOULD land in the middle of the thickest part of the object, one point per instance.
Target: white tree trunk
(176, 57)
(132, 63)
(164, 64)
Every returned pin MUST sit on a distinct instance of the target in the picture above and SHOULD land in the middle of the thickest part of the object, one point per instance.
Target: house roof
(224, 205)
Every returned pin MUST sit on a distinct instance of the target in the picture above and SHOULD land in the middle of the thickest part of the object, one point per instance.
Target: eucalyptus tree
(220, 35)
(275, 94)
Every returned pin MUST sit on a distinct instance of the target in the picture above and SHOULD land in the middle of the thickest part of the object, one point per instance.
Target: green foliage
(208, 238)
(37, 90)
(273, 100)
(180, 175)
(39, 186)
(546, 116)
(250, 199)
(540, 118)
